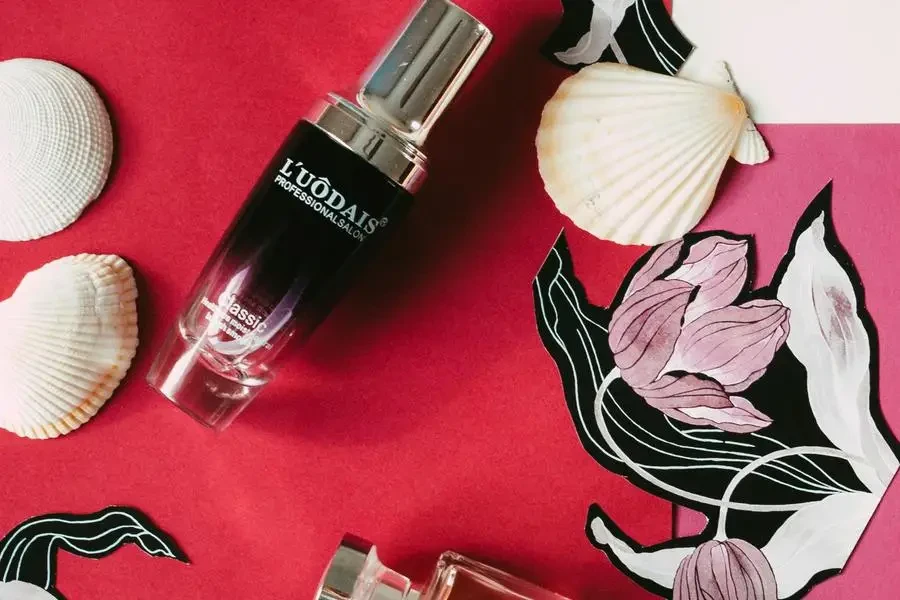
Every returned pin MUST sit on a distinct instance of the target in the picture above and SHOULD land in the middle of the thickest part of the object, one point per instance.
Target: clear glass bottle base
(185, 376)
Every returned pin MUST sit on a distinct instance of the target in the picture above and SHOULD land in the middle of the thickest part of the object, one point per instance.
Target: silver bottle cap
(422, 69)
(355, 573)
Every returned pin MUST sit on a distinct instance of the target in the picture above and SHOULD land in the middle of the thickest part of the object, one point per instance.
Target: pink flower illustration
(727, 570)
(683, 346)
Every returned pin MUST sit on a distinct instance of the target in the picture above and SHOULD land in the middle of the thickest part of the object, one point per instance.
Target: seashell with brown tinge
(69, 334)
(635, 157)
(751, 148)
(56, 146)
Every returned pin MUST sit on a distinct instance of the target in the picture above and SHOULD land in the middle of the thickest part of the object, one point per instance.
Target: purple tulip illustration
(682, 346)
(726, 570)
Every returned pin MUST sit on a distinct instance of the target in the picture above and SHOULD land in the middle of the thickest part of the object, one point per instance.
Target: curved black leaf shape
(28, 552)
(647, 37)
(700, 461)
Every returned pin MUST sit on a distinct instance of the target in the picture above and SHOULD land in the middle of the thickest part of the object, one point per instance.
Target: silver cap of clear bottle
(355, 573)
(406, 89)
(420, 72)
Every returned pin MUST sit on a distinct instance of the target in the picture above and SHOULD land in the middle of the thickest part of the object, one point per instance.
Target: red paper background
(425, 414)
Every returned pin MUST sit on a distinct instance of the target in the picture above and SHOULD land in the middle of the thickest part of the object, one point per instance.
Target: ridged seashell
(750, 148)
(69, 334)
(56, 147)
(633, 156)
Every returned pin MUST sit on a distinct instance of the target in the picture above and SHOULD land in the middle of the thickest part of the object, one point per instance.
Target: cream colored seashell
(750, 148)
(633, 156)
(21, 590)
(69, 334)
(56, 147)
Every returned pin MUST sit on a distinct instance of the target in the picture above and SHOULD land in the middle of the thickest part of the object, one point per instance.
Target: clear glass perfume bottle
(339, 184)
(356, 573)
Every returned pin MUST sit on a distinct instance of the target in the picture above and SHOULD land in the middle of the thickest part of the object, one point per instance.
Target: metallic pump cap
(355, 573)
(416, 77)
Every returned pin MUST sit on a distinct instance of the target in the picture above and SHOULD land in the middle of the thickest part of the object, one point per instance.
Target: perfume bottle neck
(385, 584)
(369, 137)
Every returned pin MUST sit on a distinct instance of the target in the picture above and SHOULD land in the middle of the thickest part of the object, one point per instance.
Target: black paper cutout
(702, 460)
(28, 552)
(646, 38)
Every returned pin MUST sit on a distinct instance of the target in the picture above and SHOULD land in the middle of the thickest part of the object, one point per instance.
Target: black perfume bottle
(336, 187)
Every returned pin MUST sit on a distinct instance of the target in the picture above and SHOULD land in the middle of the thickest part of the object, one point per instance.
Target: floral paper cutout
(755, 407)
(635, 32)
(28, 552)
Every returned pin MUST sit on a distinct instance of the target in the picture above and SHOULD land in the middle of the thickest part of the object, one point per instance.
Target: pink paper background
(766, 201)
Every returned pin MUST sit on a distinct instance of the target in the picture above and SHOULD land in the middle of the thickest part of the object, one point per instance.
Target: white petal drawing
(829, 338)
(606, 18)
(659, 566)
(818, 538)
(20, 590)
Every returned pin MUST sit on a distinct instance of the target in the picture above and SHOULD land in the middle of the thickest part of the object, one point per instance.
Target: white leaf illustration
(829, 338)
(818, 538)
(606, 18)
(659, 566)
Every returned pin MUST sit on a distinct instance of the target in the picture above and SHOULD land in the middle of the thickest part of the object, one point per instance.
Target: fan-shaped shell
(69, 334)
(751, 148)
(633, 156)
(21, 590)
(56, 147)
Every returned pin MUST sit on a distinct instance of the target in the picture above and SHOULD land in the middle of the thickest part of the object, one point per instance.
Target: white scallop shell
(21, 590)
(56, 147)
(750, 148)
(69, 334)
(633, 156)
